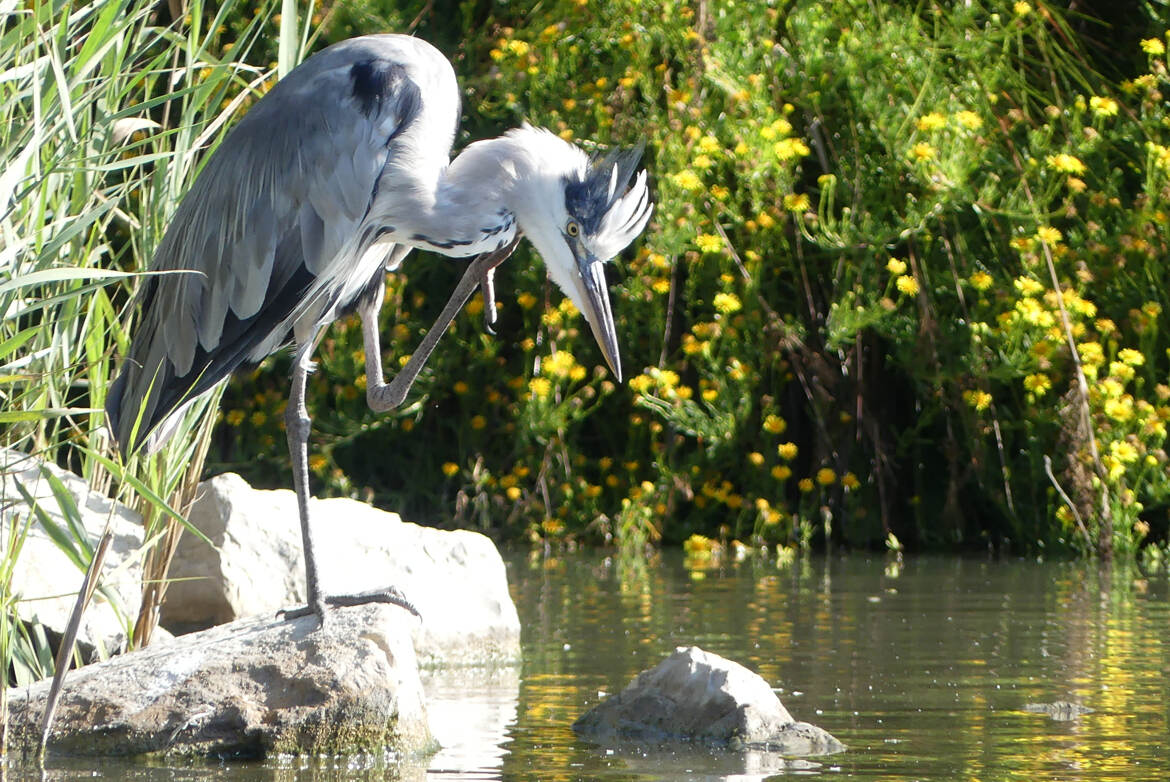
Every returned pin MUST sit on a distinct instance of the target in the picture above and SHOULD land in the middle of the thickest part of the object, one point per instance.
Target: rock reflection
(471, 711)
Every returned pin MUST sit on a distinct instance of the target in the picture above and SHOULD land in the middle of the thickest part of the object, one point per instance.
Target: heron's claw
(391, 595)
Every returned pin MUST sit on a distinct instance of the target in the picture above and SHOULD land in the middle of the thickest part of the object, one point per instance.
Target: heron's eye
(572, 228)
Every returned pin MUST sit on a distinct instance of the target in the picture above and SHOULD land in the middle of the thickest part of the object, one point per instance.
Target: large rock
(252, 688)
(45, 577)
(455, 579)
(698, 696)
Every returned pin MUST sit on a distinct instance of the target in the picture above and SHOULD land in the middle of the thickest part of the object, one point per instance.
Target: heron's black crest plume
(605, 182)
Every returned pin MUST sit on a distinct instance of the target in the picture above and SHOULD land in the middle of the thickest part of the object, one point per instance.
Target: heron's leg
(382, 396)
(296, 424)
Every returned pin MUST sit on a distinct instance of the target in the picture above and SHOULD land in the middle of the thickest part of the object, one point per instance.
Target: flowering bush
(906, 274)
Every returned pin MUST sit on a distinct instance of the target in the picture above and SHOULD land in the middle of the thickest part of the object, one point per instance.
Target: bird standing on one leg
(327, 183)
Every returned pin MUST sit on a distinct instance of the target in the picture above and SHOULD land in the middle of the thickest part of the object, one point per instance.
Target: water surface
(922, 669)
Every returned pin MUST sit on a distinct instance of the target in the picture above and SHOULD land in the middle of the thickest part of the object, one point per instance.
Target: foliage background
(845, 312)
(904, 254)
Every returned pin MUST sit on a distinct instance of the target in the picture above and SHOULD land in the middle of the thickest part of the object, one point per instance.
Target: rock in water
(456, 579)
(698, 696)
(252, 688)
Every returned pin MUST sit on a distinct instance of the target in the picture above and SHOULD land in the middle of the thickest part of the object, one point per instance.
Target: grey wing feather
(272, 207)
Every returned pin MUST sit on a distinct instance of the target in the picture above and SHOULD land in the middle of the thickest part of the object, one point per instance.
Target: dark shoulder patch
(376, 82)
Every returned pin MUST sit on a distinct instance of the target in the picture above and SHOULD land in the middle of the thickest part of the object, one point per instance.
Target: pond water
(922, 668)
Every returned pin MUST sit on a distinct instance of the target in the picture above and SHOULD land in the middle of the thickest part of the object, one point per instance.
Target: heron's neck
(461, 209)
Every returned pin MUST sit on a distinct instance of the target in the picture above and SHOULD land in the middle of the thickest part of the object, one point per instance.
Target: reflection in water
(470, 712)
(923, 671)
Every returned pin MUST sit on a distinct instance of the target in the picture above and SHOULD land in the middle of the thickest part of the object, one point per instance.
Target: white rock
(253, 688)
(46, 579)
(694, 695)
(456, 579)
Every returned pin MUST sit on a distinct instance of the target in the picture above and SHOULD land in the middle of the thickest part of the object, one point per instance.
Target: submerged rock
(45, 577)
(694, 695)
(456, 579)
(1059, 711)
(252, 688)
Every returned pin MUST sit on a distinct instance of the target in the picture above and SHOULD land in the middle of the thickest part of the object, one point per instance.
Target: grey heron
(326, 184)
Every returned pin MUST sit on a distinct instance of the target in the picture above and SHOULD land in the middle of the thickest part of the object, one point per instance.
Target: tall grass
(107, 110)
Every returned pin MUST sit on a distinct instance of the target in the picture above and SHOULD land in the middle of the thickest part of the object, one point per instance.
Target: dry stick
(65, 653)
(670, 305)
(1105, 543)
(1067, 500)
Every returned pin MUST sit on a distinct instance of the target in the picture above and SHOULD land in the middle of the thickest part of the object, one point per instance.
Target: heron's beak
(596, 309)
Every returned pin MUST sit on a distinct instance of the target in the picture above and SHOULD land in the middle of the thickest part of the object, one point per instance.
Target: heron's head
(579, 212)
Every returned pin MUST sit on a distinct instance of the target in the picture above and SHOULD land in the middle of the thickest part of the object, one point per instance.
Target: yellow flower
(781, 472)
(849, 481)
(541, 387)
(981, 281)
(709, 243)
(258, 418)
(775, 424)
(787, 451)
(703, 161)
(1119, 410)
(805, 485)
(796, 203)
(1048, 234)
(969, 120)
(526, 300)
(727, 303)
(1027, 286)
(1022, 9)
(826, 476)
(931, 122)
(317, 462)
(980, 400)
(478, 422)
(790, 148)
(1103, 107)
(235, 417)
(1038, 383)
(922, 151)
(896, 266)
(1153, 46)
(907, 285)
(641, 384)
(709, 145)
(450, 468)
(460, 387)
(756, 458)
(688, 180)
(1121, 371)
(1066, 163)
(559, 364)
(1124, 452)
(1132, 357)
(1091, 353)
(698, 545)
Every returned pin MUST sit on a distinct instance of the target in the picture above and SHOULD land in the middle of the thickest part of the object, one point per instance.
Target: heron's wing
(271, 209)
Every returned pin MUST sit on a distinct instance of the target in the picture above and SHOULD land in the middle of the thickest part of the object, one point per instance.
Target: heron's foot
(391, 595)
